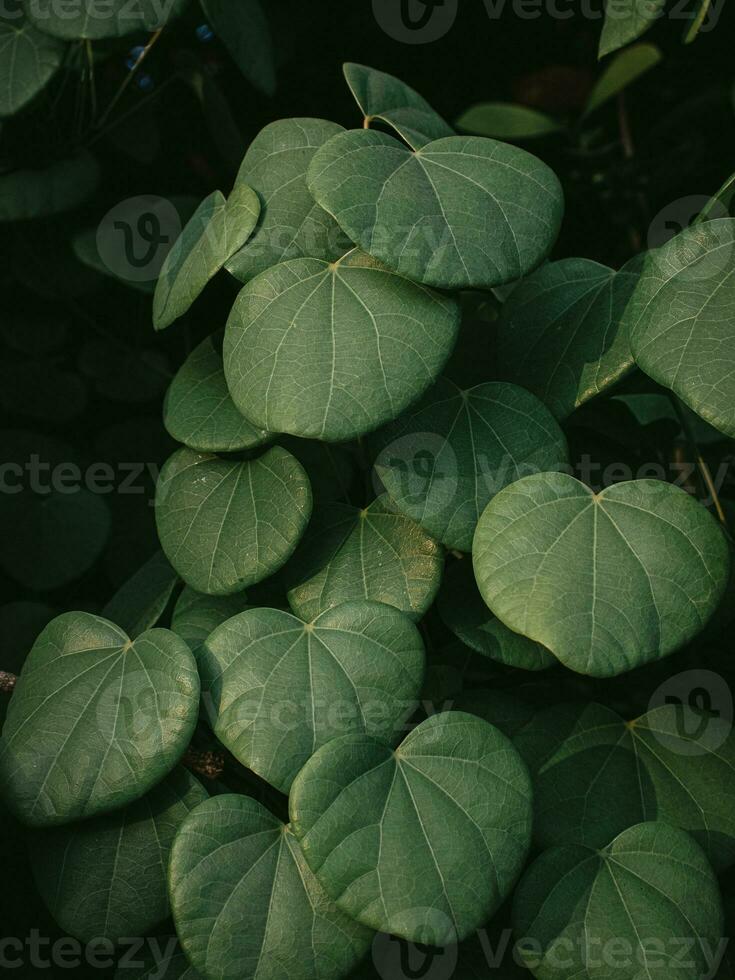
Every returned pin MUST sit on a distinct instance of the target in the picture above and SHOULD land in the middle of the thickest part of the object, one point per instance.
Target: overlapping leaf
(461, 212)
(140, 602)
(245, 32)
(606, 582)
(331, 351)
(28, 61)
(196, 614)
(625, 22)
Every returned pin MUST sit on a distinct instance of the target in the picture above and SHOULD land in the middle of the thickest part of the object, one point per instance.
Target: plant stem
(7, 682)
(131, 75)
(704, 470)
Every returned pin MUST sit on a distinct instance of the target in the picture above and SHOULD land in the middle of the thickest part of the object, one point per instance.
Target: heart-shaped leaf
(62, 186)
(245, 32)
(360, 667)
(461, 212)
(198, 410)
(92, 19)
(245, 903)
(462, 611)
(225, 525)
(106, 877)
(429, 837)
(562, 332)
(28, 61)
(444, 460)
(291, 223)
(375, 342)
(373, 553)
(627, 911)
(680, 323)
(602, 774)
(96, 719)
(607, 581)
(388, 99)
(217, 229)
(141, 601)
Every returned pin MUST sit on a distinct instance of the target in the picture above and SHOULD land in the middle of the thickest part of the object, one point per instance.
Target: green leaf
(626, 20)
(106, 877)
(427, 839)
(245, 32)
(373, 553)
(602, 774)
(94, 20)
(245, 903)
(386, 98)
(445, 460)
(159, 959)
(28, 61)
(624, 69)
(225, 525)
(607, 582)
(461, 212)
(27, 194)
(291, 223)
(463, 611)
(680, 320)
(198, 410)
(196, 614)
(633, 906)
(562, 332)
(277, 689)
(139, 604)
(216, 230)
(507, 121)
(116, 716)
(375, 343)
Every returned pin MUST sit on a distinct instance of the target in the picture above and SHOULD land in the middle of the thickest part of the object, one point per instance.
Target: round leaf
(28, 61)
(680, 322)
(602, 774)
(607, 581)
(198, 410)
(245, 903)
(217, 229)
(627, 911)
(461, 212)
(291, 223)
(426, 839)
(141, 601)
(562, 334)
(277, 689)
(462, 610)
(364, 554)
(225, 525)
(92, 19)
(384, 97)
(106, 877)
(446, 459)
(96, 719)
(331, 351)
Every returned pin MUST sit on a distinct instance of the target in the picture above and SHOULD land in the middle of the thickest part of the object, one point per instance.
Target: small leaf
(624, 69)
(643, 897)
(63, 186)
(217, 229)
(463, 611)
(277, 689)
(373, 553)
(507, 121)
(245, 32)
(225, 525)
(196, 614)
(384, 97)
(117, 716)
(199, 411)
(562, 332)
(291, 223)
(94, 20)
(461, 212)
(106, 877)
(29, 59)
(626, 20)
(448, 456)
(375, 342)
(139, 604)
(428, 839)
(607, 582)
(680, 323)
(234, 863)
